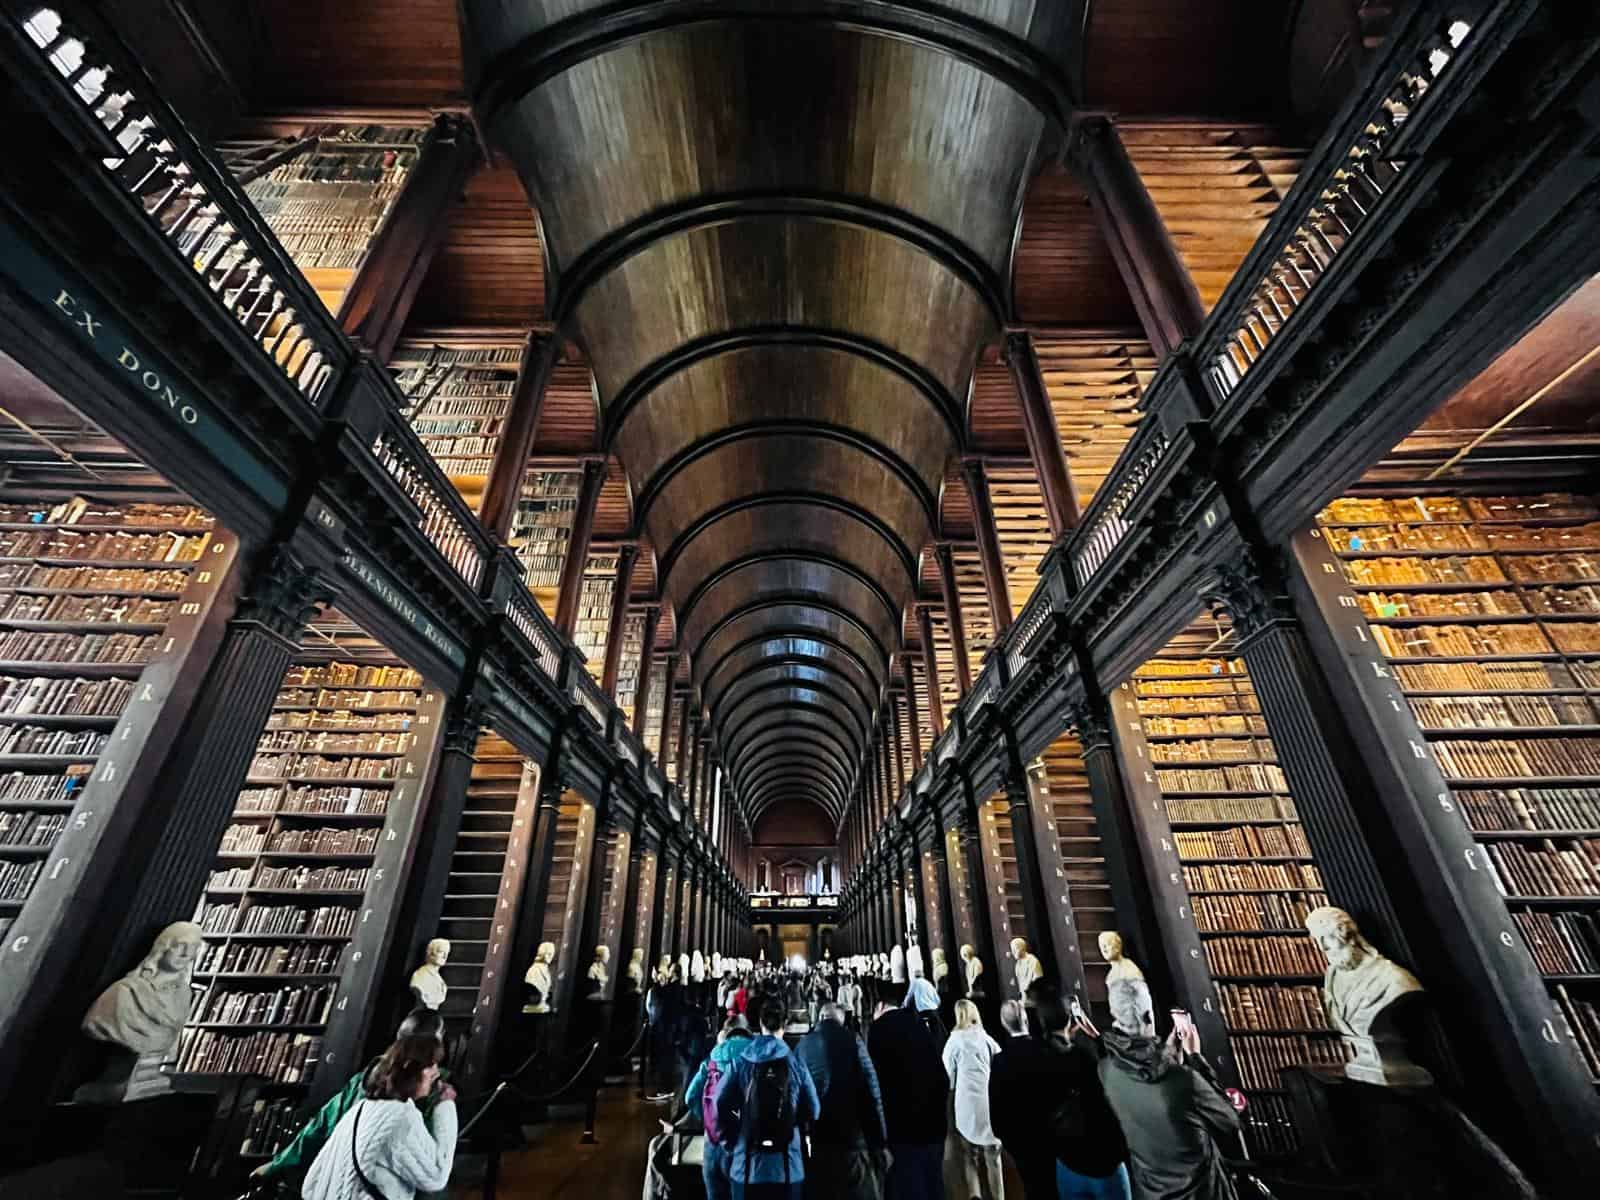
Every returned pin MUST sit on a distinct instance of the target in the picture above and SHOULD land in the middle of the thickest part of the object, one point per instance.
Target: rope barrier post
(491, 1173)
(588, 1138)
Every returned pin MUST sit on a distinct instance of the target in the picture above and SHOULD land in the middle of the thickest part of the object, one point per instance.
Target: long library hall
(801, 600)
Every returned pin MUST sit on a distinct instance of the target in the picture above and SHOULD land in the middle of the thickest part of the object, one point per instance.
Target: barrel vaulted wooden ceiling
(784, 235)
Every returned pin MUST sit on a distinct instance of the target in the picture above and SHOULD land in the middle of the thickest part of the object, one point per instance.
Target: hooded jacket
(745, 1166)
(1028, 1068)
(724, 1054)
(1171, 1114)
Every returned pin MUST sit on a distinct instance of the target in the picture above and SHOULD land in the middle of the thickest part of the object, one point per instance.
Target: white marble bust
(539, 977)
(1359, 991)
(973, 967)
(941, 968)
(1028, 967)
(143, 1013)
(428, 987)
(145, 1009)
(599, 975)
(697, 967)
(897, 964)
(1110, 943)
(636, 970)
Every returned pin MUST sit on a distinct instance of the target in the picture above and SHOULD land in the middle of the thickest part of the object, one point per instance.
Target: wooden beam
(594, 478)
(504, 488)
(994, 568)
(1044, 441)
(627, 553)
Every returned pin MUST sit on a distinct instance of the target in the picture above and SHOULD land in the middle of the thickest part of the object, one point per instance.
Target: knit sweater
(398, 1151)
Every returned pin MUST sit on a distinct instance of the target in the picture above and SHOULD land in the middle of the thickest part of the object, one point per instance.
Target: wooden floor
(557, 1166)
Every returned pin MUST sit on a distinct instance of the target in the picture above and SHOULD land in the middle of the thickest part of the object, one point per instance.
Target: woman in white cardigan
(382, 1149)
(976, 1149)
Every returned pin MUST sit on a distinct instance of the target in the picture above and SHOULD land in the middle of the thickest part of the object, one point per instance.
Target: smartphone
(1183, 1025)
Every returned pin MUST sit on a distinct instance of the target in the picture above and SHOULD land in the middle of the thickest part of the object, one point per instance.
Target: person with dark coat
(912, 1078)
(1168, 1103)
(848, 1138)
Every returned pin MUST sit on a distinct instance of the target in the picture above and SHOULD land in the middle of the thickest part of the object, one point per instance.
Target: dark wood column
(940, 897)
(647, 659)
(440, 827)
(627, 553)
(994, 565)
(912, 869)
(535, 896)
(1162, 291)
(572, 989)
(594, 478)
(379, 298)
(1044, 439)
(1036, 909)
(930, 669)
(540, 353)
(911, 711)
(952, 611)
(897, 893)
(691, 781)
(977, 901)
(661, 908)
(1131, 894)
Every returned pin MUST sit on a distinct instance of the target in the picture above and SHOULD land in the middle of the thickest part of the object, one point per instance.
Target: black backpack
(768, 1117)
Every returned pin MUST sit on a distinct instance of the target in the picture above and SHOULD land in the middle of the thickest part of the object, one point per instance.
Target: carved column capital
(1092, 721)
(1252, 590)
(464, 724)
(284, 594)
(1085, 136)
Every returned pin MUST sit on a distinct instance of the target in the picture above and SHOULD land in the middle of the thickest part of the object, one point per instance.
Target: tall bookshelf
(457, 399)
(542, 529)
(315, 847)
(89, 596)
(628, 665)
(1003, 891)
(594, 609)
(1249, 878)
(1487, 609)
(326, 204)
(1080, 864)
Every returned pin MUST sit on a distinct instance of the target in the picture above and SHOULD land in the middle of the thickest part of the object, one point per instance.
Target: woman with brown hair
(382, 1149)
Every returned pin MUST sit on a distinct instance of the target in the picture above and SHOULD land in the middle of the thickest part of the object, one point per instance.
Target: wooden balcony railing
(196, 207)
(446, 521)
(1106, 523)
(1359, 170)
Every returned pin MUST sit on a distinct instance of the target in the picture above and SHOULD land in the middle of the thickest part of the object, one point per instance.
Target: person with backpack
(761, 1104)
(702, 1093)
(849, 1136)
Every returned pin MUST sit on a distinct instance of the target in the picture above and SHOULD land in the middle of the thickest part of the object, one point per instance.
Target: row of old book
(1533, 809)
(334, 742)
(1244, 842)
(311, 800)
(314, 766)
(295, 1005)
(1582, 1017)
(350, 675)
(34, 645)
(58, 696)
(105, 546)
(148, 580)
(330, 878)
(88, 610)
(82, 511)
(339, 721)
(282, 1057)
(1261, 1058)
(1241, 914)
(1562, 943)
(269, 958)
(1495, 758)
(1252, 877)
(1459, 641)
(1247, 1006)
(346, 698)
(36, 740)
(327, 920)
(1278, 955)
(1247, 778)
(29, 828)
(1568, 868)
(1493, 676)
(29, 787)
(1495, 712)
(1544, 506)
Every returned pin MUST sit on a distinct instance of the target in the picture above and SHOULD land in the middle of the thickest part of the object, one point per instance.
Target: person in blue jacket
(731, 1042)
(758, 1174)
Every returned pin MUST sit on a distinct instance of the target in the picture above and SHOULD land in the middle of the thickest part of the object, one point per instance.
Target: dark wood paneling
(357, 53)
(490, 270)
(1064, 273)
(1211, 57)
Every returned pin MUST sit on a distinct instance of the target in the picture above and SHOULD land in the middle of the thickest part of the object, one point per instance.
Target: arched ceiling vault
(781, 230)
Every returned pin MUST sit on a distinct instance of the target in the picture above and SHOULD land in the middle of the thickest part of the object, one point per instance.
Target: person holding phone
(1166, 1100)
